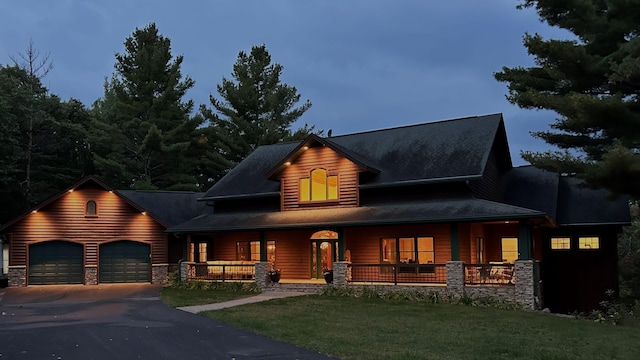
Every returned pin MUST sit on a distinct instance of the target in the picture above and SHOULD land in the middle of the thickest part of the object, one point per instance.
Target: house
(438, 206)
(91, 234)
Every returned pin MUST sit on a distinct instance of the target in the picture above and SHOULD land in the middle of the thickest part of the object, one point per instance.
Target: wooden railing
(222, 272)
(399, 273)
(501, 274)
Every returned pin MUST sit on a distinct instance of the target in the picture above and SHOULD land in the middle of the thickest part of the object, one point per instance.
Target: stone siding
(159, 273)
(525, 283)
(455, 277)
(17, 276)
(341, 273)
(262, 275)
(91, 275)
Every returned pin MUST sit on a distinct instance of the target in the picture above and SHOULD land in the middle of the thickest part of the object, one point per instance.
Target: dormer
(319, 174)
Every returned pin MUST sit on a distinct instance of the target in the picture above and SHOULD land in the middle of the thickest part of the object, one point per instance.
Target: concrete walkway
(267, 295)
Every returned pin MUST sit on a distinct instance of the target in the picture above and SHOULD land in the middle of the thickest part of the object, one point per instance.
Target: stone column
(455, 277)
(91, 274)
(185, 267)
(525, 283)
(159, 273)
(262, 274)
(18, 276)
(341, 273)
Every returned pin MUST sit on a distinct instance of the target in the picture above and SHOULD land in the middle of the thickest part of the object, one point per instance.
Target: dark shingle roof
(170, 207)
(463, 209)
(446, 149)
(530, 187)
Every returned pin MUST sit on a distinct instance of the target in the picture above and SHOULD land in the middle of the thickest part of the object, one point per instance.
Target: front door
(323, 254)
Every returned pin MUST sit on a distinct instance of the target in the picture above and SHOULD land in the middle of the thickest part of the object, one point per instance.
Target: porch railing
(399, 273)
(475, 274)
(204, 271)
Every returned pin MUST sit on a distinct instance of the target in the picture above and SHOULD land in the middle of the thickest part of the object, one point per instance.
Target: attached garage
(56, 262)
(125, 262)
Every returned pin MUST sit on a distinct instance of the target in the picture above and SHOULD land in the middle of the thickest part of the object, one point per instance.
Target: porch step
(295, 287)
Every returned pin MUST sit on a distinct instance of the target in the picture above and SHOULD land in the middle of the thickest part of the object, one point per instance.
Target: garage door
(125, 262)
(55, 262)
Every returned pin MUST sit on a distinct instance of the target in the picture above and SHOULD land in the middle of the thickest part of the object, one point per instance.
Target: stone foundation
(341, 273)
(159, 273)
(185, 266)
(262, 274)
(17, 276)
(91, 274)
(455, 277)
(525, 283)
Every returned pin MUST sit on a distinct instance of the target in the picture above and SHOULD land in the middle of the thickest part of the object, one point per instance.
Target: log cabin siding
(364, 243)
(64, 219)
(314, 158)
(293, 252)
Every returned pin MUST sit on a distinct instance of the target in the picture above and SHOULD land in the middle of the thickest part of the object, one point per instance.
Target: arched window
(319, 186)
(91, 209)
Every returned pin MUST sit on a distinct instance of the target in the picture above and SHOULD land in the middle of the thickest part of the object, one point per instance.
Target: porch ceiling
(450, 210)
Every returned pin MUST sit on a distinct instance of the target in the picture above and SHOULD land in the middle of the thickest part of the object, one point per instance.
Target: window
(408, 250)
(198, 252)
(509, 250)
(319, 186)
(250, 251)
(588, 242)
(560, 243)
(202, 252)
(91, 208)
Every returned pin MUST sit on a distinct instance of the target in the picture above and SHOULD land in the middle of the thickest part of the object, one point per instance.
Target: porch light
(287, 163)
(70, 190)
(110, 191)
(34, 211)
(305, 148)
(144, 213)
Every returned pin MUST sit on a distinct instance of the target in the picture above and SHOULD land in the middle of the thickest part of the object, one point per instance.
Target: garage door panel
(125, 261)
(56, 262)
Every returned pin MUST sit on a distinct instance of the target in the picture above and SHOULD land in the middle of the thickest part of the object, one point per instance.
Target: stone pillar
(159, 273)
(525, 283)
(262, 274)
(455, 277)
(91, 274)
(341, 272)
(184, 270)
(18, 276)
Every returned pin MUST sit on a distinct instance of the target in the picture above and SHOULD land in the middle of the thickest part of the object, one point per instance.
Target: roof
(462, 209)
(566, 199)
(450, 149)
(170, 207)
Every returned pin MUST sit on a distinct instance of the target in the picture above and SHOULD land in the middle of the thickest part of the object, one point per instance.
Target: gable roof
(564, 198)
(170, 207)
(312, 140)
(439, 151)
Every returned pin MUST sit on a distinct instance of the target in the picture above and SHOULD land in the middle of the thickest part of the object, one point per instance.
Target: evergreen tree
(593, 83)
(255, 109)
(143, 127)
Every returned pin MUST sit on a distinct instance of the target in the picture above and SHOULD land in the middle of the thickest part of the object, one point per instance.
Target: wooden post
(263, 248)
(524, 241)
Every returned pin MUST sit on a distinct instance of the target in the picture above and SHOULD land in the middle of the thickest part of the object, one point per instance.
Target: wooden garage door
(55, 262)
(125, 262)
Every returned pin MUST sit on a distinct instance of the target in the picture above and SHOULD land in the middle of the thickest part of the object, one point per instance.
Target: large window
(560, 243)
(250, 251)
(588, 242)
(198, 252)
(319, 186)
(509, 250)
(408, 250)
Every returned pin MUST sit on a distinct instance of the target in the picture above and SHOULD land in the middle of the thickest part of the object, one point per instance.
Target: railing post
(455, 277)
(525, 283)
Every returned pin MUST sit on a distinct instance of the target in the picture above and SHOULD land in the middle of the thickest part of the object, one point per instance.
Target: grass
(358, 328)
(205, 293)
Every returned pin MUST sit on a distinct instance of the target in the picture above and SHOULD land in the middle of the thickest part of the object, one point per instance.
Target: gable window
(319, 186)
(588, 242)
(408, 250)
(560, 243)
(509, 250)
(91, 209)
(250, 251)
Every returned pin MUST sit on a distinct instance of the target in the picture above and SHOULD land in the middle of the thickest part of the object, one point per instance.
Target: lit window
(250, 250)
(560, 243)
(509, 250)
(91, 209)
(589, 242)
(408, 250)
(319, 186)
(202, 252)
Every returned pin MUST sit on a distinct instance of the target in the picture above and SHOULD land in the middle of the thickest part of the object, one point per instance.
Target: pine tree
(593, 83)
(143, 127)
(255, 109)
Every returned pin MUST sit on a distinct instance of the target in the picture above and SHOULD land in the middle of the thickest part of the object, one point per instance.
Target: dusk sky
(365, 65)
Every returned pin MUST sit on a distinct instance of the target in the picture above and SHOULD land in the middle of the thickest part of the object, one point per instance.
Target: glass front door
(323, 254)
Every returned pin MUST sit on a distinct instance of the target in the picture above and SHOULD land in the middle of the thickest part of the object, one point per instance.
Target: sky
(363, 64)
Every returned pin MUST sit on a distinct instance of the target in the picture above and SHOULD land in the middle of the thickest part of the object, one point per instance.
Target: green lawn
(181, 297)
(357, 328)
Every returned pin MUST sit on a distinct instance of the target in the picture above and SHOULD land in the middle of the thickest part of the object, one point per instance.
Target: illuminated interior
(560, 243)
(588, 242)
(319, 186)
(509, 250)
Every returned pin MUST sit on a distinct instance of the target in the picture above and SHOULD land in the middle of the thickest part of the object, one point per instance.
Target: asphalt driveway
(120, 322)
